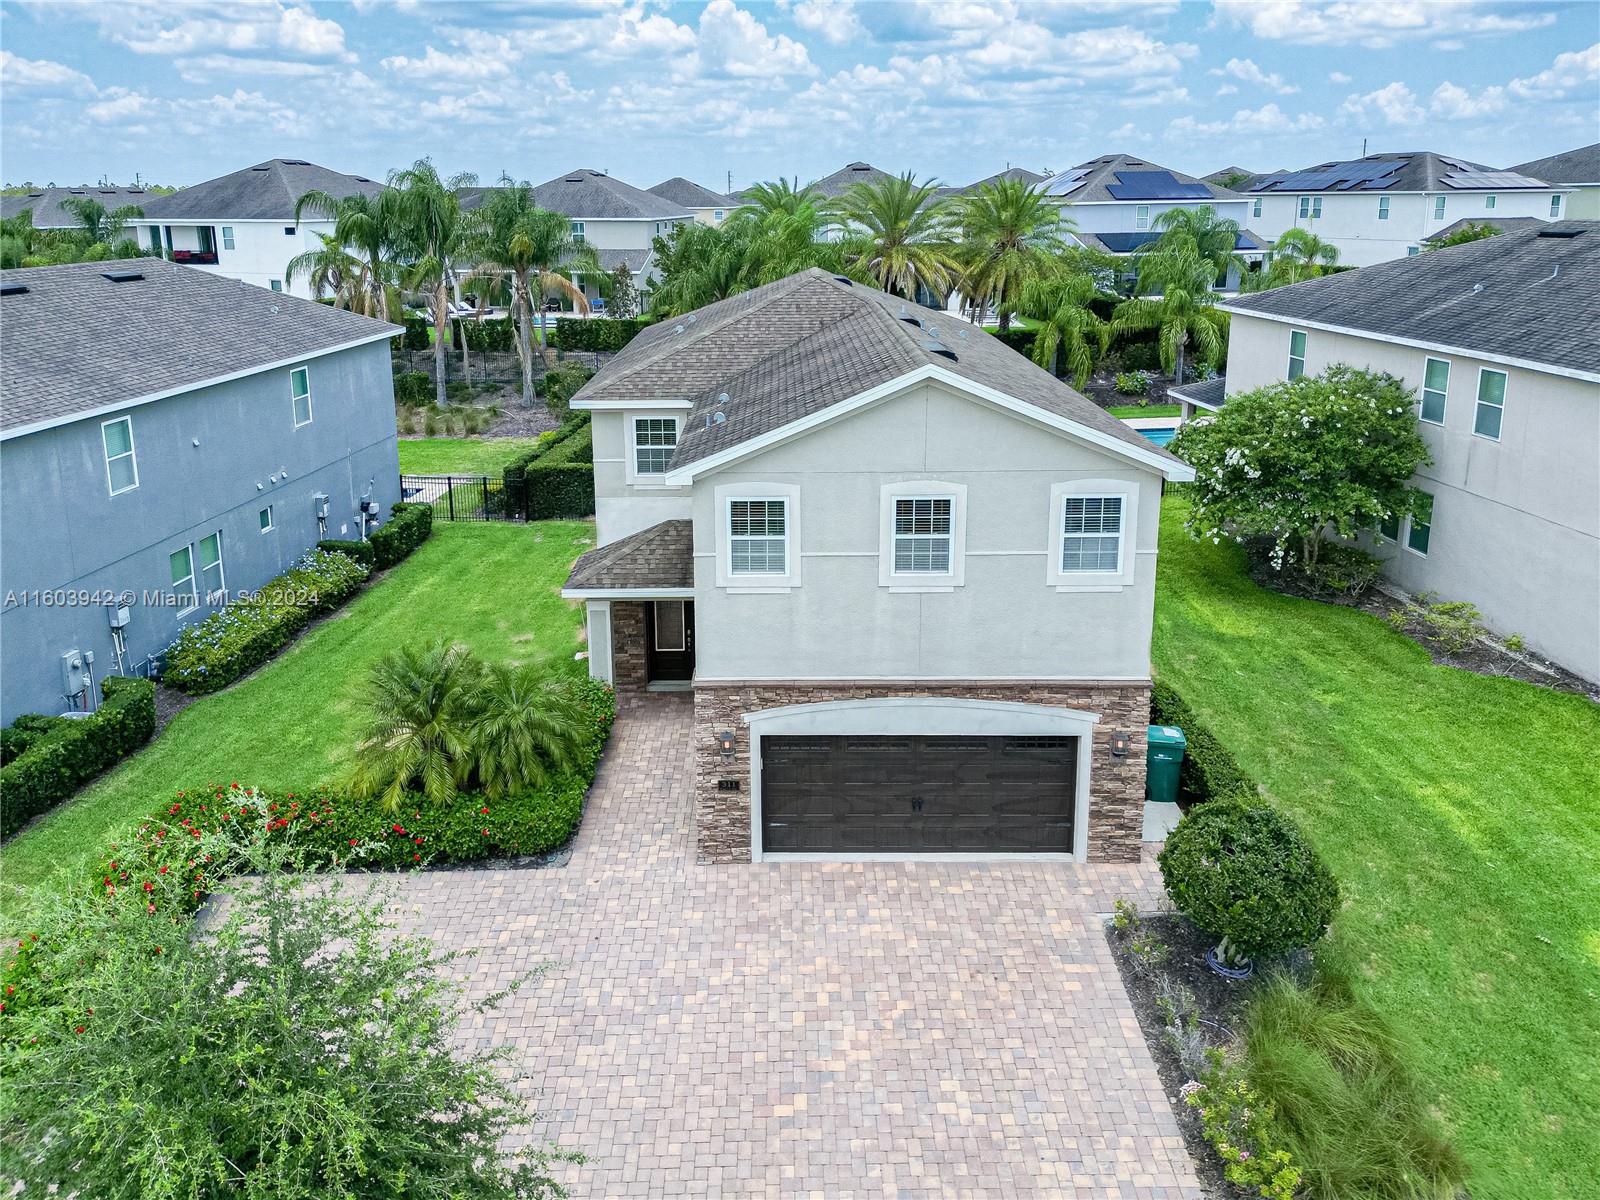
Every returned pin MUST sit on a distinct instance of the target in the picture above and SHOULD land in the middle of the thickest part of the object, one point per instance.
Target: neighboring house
(1116, 202)
(1498, 224)
(707, 207)
(1386, 206)
(1578, 170)
(49, 211)
(846, 177)
(242, 226)
(166, 434)
(1498, 339)
(1200, 399)
(908, 575)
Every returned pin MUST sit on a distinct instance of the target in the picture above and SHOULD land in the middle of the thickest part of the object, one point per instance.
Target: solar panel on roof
(1504, 180)
(1067, 181)
(1362, 174)
(1155, 185)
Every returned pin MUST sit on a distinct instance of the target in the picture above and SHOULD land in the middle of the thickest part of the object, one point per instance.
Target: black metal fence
(467, 497)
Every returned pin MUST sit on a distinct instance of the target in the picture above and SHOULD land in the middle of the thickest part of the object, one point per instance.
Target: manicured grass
(460, 456)
(1458, 812)
(1144, 410)
(493, 587)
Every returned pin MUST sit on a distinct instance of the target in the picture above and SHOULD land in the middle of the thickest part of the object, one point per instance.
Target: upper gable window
(1255, 209)
(1297, 353)
(653, 441)
(300, 394)
(1383, 208)
(922, 539)
(758, 537)
(1092, 522)
(122, 466)
(1141, 217)
(1488, 201)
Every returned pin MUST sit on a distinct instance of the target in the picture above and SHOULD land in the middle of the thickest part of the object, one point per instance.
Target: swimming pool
(1160, 436)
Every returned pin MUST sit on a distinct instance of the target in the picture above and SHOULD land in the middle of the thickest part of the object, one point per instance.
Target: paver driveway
(900, 1029)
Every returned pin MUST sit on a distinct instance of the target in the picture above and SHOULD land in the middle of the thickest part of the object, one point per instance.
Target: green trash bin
(1163, 761)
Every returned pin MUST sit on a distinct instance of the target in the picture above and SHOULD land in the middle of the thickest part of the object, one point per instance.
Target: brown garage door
(917, 794)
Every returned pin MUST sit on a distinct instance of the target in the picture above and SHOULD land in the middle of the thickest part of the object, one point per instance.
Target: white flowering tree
(1303, 460)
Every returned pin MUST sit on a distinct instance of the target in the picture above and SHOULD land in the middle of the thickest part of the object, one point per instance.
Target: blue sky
(181, 92)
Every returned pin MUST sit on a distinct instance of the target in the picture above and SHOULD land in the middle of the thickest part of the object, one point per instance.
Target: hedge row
(64, 753)
(416, 335)
(407, 528)
(413, 389)
(558, 474)
(599, 335)
(362, 552)
(1209, 771)
(497, 333)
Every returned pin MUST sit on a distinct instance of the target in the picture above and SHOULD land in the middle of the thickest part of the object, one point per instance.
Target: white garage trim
(927, 716)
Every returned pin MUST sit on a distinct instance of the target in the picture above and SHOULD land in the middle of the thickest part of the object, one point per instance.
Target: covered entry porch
(638, 595)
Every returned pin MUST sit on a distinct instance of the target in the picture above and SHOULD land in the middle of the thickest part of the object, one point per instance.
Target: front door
(669, 641)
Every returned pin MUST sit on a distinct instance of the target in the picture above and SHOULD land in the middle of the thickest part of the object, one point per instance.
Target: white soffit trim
(1373, 335)
(1178, 472)
(660, 593)
(631, 405)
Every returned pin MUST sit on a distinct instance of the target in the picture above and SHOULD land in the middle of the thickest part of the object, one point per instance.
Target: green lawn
(491, 586)
(1144, 410)
(460, 456)
(1459, 813)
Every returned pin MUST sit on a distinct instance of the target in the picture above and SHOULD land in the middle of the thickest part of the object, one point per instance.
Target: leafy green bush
(561, 385)
(1246, 874)
(61, 755)
(1141, 355)
(1456, 625)
(602, 335)
(1133, 383)
(362, 552)
(1344, 571)
(417, 334)
(407, 528)
(414, 389)
(232, 641)
(497, 334)
(27, 729)
(1020, 339)
(1238, 1124)
(1209, 771)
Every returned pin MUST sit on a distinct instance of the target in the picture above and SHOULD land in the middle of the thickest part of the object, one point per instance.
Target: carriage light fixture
(1119, 744)
(725, 743)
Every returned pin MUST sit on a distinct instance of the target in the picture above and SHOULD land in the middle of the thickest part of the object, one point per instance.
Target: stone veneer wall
(1116, 798)
(629, 672)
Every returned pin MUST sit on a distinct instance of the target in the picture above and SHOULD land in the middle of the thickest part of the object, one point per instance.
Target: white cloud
(733, 44)
(42, 75)
(834, 21)
(1452, 103)
(491, 56)
(1227, 89)
(1246, 70)
(1570, 72)
(151, 27)
(1394, 104)
(1265, 121)
(120, 106)
(1339, 77)
(1375, 25)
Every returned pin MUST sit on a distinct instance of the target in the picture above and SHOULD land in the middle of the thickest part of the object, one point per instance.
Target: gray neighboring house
(907, 575)
(846, 177)
(167, 435)
(49, 211)
(708, 207)
(1576, 169)
(1498, 337)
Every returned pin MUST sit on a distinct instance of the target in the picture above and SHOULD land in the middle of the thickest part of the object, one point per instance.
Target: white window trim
(222, 567)
(1489, 201)
(1555, 206)
(310, 411)
(922, 581)
(1438, 208)
(227, 237)
(630, 459)
(748, 583)
(271, 519)
(194, 587)
(1422, 392)
(1289, 362)
(105, 452)
(1255, 208)
(1477, 403)
(1127, 549)
(1383, 208)
(1141, 216)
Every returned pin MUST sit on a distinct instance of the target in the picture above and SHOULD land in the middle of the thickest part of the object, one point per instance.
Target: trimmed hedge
(416, 334)
(558, 474)
(235, 640)
(362, 552)
(413, 388)
(497, 333)
(65, 753)
(598, 335)
(407, 528)
(1209, 771)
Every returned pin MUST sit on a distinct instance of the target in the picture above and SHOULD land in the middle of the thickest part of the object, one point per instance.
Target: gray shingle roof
(586, 194)
(661, 556)
(1090, 182)
(77, 342)
(846, 177)
(1209, 392)
(1570, 166)
(1399, 171)
(634, 260)
(797, 346)
(48, 213)
(265, 192)
(690, 194)
(1525, 294)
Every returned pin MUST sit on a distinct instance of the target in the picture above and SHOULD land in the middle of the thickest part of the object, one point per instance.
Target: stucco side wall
(623, 506)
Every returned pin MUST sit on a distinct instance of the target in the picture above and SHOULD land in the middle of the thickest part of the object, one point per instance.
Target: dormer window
(653, 441)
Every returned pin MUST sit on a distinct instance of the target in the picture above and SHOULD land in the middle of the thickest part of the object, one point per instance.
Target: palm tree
(99, 225)
(513, 239)
(1213, 238)
(781, 230)
(436, 234)
(896, 232)
(1304, 255)
(1068, 325)
(698, 264)
(331, 269)
(18, 240)
(1010, 235)
(369, 226)
(417, 733)
(524, 728)
(1176, 299)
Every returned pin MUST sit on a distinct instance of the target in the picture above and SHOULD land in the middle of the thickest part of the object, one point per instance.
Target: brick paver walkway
(881, 1029)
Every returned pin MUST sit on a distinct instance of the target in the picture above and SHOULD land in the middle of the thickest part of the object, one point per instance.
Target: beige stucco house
(907, 575)
(1498, 337)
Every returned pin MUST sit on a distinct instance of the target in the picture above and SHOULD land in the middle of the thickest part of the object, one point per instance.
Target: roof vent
(934, 346)
(122, 276)
(677, 329)
(295, 162)
(845, 279)
(13, 289)
(722, 398)
(573, 179)
(1561, 231)
(690, 319)
(910, 320)
(717, 418)
(262, 167)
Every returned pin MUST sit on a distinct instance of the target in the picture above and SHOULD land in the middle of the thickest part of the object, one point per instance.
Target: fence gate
(467, 497)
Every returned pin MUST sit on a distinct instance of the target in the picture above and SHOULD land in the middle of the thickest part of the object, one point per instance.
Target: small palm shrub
(1245, 873)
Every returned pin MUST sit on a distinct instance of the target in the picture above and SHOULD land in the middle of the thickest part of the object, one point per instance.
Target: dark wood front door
(917, 794)
(669, 641)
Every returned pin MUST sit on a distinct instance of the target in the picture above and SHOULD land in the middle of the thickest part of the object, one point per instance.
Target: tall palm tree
(513, 239)
(896, 232)
(1176, 299)
(781, 230)
(101, 226)
(368, 226)
(1010, 235)
(331, 269)
(1304, 255)
(698, 264)
(436, 234)
(1061, 302)
(1213, 238)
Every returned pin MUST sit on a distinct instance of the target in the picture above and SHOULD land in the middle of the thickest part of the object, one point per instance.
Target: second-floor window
(1091, 534)
(1435, 383)
(1555, 207)
(1491, 404)
(758, 539)
(577, 231)
(122, 467)
(1488, 201)
(1141, 217)
(1297, 354)
(155, 238)
(1438, 208)
(300, 395)
(922, 531)
(211, 581)
(227, 237)
(181, 564)
(1383, 208)
(653, 442)
(1255, 209)
(1310, 206)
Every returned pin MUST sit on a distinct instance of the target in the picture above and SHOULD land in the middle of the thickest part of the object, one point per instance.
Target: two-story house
(907, 574)
(1577, 170)
(168, 439)
(706, 206)
(242, 225)
(1386, 206)
(48, 209)
(619, 220)
(1498, 339)
(1115, 203)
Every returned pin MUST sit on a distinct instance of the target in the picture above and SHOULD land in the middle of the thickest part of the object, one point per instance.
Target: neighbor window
(1297, 354)
(1141, 217)
(1491, 404)
(1310, 207)
(653, 440)
(758, 537)
(1255, 209)
(1555, 207)
(922, 532)
(265, 518)
(1389, 528)
(227, 237)
(1438, 208)
(155, 238)
(1488, 201)
(122, 469)
(577, 231)
(1435, 383)
(211, 581)
(300, 392)
(1413, 251)
(717, 214)
(1383, 208)
(181, 562)
(277, 285)
(288, 231)
(1091, 534)
(1421, 524)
